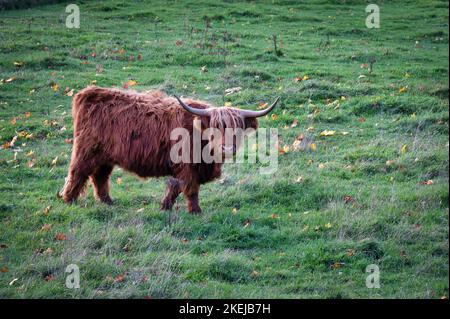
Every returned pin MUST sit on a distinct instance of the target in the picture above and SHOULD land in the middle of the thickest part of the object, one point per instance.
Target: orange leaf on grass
(119, 278)
(61, 236)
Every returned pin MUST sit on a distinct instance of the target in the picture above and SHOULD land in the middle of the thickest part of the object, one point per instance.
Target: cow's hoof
(195, 211)
(107, 201)
(165, 206)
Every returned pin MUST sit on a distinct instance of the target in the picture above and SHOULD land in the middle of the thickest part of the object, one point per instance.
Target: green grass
(393, 221)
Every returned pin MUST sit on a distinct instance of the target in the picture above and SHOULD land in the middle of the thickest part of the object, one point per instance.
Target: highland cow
(132, 130)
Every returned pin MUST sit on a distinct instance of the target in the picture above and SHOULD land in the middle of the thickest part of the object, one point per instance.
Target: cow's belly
(144, 161)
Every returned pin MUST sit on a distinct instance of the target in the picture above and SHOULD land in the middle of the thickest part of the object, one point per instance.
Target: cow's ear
(251, 122)
(201, 123)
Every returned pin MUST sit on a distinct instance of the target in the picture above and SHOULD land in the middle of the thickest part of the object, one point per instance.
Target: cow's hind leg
(172, 192)
(100, 181)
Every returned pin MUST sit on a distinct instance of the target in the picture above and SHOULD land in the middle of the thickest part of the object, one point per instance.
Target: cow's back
(131, 129)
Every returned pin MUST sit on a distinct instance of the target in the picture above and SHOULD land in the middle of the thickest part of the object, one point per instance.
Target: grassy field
(374, 190)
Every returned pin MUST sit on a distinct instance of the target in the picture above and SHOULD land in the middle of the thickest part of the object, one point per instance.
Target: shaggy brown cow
(132, 130)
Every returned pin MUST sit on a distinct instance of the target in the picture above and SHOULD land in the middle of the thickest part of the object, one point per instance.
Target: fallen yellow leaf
(327, 133)
(55, 87)
(404, 149)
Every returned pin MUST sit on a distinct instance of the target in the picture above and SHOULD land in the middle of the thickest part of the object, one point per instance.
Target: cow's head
(223, 118)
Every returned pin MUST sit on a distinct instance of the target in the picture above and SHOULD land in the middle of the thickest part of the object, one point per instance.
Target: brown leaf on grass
(13, 121)
(179, 43)
(69, 92)
(32, 162)
(27, 114)
(337, 265)
(3, 246)
(49, 277)
(349, 199)
(428, 182)
(46, 227)
(69, 141)
(47, 209)
(11, 143)
(61, 237)
(139, 57)
(119, 278)
(4, 269)
(351, 252)
(274, 216)
(362, 119)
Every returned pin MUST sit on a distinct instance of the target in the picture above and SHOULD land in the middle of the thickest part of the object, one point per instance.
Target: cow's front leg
(191, 193)
(172, 192)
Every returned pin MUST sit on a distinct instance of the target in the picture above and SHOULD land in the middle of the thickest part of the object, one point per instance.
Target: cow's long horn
(249, 113)
(199, 112)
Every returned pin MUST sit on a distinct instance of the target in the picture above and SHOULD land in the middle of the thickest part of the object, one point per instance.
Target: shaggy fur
(132, 130)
